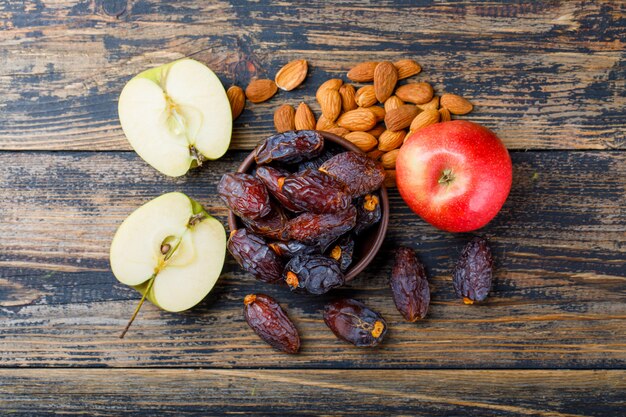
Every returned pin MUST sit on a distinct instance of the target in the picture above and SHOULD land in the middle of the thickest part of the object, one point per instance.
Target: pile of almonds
(376, 117)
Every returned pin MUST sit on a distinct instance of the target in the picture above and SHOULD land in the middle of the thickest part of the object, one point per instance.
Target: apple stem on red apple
(446, 177)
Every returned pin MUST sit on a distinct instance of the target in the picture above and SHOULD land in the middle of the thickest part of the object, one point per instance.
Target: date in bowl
(366, 244)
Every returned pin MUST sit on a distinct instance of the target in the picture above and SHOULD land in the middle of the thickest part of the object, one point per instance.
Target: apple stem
(446, 177)
(143, 298)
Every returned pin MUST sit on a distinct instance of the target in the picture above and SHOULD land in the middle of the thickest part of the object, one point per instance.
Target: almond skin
(417, 93)
(237, 99)
(425, 118)
(392, 103)
(377, 130)
(407, 68)
(379, 112)
(330, 102)
(385, 79)
(291, 75)
(444, 115)
(332, 84)
(390, 178)
(389, 159)
(304, 119)
(456, 104)
(365, 96)
(260, 90)
(431, 105)
(324, 124)
(390, 140)
(339, 131)
(363, 72)
(401, 117)
(363, 140)
(348, 101)
(375, 154)
(357, 120)
(284, 118)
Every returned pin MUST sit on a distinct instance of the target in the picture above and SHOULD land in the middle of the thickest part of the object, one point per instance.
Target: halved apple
(176, 116)
(170, 250)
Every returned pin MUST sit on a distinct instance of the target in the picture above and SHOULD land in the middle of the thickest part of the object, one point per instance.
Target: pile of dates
(303, 206)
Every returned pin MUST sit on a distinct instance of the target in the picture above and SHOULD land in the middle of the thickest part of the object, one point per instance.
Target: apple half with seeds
(171, 251)
(176, 116)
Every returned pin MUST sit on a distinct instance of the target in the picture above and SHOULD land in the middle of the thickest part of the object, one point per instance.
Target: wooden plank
(558, 298)
(544, 75)
(27, 392)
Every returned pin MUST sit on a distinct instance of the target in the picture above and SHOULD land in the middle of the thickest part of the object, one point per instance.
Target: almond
(379, 112)
(401, 117)
(390, 178)
(357, 120)
(348, 101)
(330, 102)
(365, 96)
(284, 118)
(425, 118)
(385, 79)
(363, 72)
(418, 93)
(431, 105)
(375, 154)
(377, 130)
(392, 103)
(339, 131)
(237, 100)
(332, 84)
(261, 90)
(291, 75)
(304, 119)
(363, 140)
(324, 124)
(389, 159)
(390, 140)
(456, 104)
(444, 115)
(407, 68)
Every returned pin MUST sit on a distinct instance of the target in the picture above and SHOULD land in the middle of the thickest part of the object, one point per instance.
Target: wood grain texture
(311, 393)
(544, 75)
(558, 300)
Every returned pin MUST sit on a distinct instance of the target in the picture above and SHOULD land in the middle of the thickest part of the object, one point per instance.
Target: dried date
(270, 322)
(245, 195)
(315, 163)
(368, 212)
(292, 248)
(254, 255)
(312, 274)
(342, 252)
(409, 285)
(289, 147)
(272, 226)
(316, 192)
(472, 274)
(273, 179)
(361, 174)
(321, 229)
(352, 321)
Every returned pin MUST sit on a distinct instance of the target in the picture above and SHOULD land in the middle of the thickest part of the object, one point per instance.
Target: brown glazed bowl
(366, 245)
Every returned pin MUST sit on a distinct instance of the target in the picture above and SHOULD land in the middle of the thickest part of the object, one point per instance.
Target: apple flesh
(176, 116)
(170, 250)
(455, 175)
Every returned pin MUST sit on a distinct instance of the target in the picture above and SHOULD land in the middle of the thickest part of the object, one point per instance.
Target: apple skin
(480, 175)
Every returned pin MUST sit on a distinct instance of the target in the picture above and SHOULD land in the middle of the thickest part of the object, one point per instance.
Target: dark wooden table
(548, 76)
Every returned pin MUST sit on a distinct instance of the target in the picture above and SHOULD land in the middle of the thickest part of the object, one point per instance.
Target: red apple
(455, 175)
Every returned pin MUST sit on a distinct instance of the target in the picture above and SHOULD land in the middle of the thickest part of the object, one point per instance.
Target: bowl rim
(380, 232)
